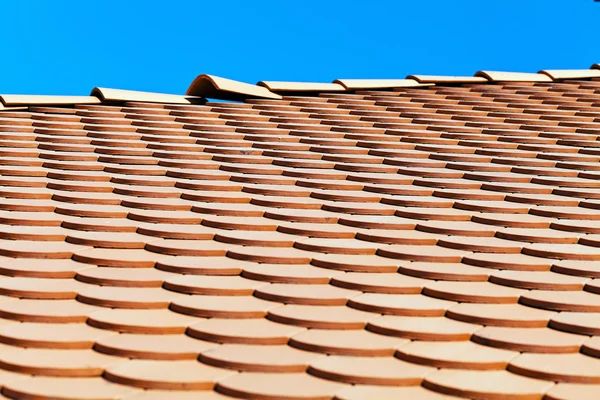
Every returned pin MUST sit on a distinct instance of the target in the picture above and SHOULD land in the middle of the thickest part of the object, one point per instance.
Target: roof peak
(212, 86)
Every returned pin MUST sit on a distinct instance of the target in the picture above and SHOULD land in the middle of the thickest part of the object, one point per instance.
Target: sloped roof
(423, 238)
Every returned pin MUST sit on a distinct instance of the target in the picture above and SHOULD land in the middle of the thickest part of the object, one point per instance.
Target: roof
(424, 238)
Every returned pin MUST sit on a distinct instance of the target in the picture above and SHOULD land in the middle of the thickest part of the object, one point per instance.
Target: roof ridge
(212, 86)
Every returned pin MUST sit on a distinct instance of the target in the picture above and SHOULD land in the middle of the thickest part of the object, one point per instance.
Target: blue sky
(68, 47)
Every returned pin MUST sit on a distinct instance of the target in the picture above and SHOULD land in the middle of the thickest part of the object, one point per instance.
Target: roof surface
(425, 240)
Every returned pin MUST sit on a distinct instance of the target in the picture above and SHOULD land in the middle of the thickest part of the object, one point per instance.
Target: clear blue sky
(68, 47)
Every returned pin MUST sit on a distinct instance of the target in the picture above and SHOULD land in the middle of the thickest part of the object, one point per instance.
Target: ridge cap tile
(12, 100)
(501, 76)
(213, 86)
(287, 86)
(121, 95)
(364, 84)
(447, 79)
(561, 74)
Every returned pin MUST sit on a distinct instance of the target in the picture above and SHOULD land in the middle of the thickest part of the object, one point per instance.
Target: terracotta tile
(168, 375)
(167, 217)
(29, 182)
(108, 239)
(37, 249)
(346, 342)
(153, 347)
(584, 323)
(260, 239)
(355, 263)
(48, 311)
(579, 226)
(53, 362)
(499, 207)
(312, 216)
(297, 274)
(40, 268)
(466, 194)
(562, 251)
(128, 277)
(534, 340)
(33, 233)
(366, 392)
(403, 190)
(258, 385)
(388, 236)
(435, 214)
(244, 331)
(481, 244)
(152, 394)
(576, 268)
(223, 306)
(127, 297)
(590, 347)
(577, 192)
(540, 280)
(564, 391)
(336, 246)
(272, 256)
(422, 253)
(572, 368)
(486, 384)
(518, 262)
(253, 358)
(386, 371)
(538, 235)
(51, 335)
(158, 321)
(542, 200)
(504, 315)
(200, 266)
(457, 228)
(379, 283)
(378, 222)
(566, 212)
(26, 193)
(359, 209)
(562, 301)
(444, 271)
(321, 317)
(590, 240)
(215, 196)
(100, 224)
(212, 285)
(158, 204)
(129, 258)
(174, 231)
(332, 231)
(456, 355)
(401, 304)
(42, 387)
(305, 294)
(417, 201)
(512, 220)
(417, 328)
(175, 247)
(27, 205)
(41, 288)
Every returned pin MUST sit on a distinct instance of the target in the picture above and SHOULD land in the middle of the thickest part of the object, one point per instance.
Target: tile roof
(425, 238)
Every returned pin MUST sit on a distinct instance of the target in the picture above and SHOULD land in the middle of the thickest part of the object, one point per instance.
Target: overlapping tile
(426, 241)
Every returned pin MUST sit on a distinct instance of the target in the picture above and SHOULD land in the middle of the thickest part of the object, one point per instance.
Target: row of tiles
(442, 385)
(167, 361)
(327, 258)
